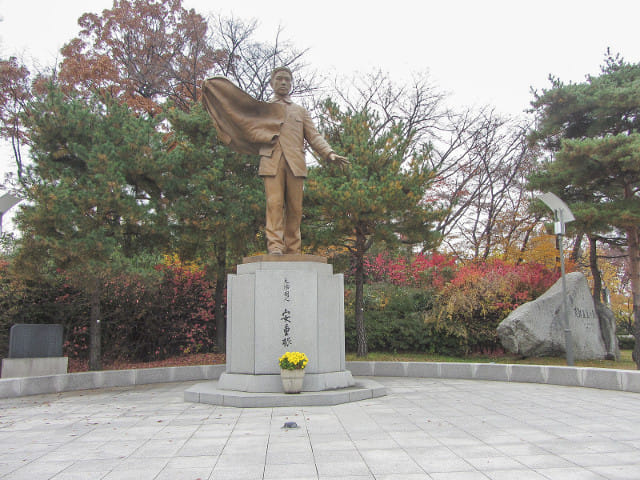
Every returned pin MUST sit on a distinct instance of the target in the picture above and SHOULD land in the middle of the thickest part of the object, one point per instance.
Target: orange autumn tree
(142, 52)
(15, 91)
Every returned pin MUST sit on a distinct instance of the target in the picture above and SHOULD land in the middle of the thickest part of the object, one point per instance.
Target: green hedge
(394, 321)
(626, 342)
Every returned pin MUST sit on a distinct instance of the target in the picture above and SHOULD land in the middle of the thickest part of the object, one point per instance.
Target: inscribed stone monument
(537, 328)
(34, 350)
(35, 340)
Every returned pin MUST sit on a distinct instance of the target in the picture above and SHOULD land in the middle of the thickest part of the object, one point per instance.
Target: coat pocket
(266, 150)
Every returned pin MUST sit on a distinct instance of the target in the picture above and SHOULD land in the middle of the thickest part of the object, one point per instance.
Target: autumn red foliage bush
(516, 283)
(480, 296)
(418, 303)
(417, 271)
(152, 318)
(144, 317)
(464, 304)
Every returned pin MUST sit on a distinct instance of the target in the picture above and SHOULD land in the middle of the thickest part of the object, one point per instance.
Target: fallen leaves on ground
(76, 365)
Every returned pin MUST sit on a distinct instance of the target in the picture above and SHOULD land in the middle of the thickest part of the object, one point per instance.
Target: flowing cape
(242, 122)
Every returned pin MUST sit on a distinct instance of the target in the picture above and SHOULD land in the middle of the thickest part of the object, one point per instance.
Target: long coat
(250, 126)
(296, 128)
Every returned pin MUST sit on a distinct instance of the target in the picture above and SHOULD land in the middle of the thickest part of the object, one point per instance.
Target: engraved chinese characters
(286, 315)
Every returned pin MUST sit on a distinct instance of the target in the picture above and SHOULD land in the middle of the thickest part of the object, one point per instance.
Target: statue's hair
(281, 69)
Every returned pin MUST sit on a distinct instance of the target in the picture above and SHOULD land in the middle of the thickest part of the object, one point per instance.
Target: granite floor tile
(404, 476)
(39, 470)
(98, 475)
(486, 464)
(202, 447)
(292, 470)
(197, 473)
(592, 459)
(339, 469)
(619, 472)
(472, 475)
(347, 477)
(139, 474)
(206, 462)
(570, 473)
(237, 471)
(543, 461)
(515, 475)
(425, 429)
(453, 463)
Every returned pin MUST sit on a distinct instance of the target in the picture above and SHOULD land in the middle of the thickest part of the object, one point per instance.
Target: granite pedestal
(285, 303)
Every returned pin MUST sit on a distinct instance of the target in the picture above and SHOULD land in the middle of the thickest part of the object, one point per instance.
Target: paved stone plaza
(423, 429)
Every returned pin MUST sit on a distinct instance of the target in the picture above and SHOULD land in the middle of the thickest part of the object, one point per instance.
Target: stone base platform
(287, 257)
(209, 392)
(313, 382)
(34, 367)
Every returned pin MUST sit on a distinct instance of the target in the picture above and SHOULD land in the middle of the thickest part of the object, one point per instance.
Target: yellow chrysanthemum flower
(293, 360)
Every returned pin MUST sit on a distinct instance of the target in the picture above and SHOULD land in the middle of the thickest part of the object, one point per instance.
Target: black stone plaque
(35, 340)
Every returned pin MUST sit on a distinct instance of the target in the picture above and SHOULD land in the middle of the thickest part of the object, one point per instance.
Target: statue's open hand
(338, 160)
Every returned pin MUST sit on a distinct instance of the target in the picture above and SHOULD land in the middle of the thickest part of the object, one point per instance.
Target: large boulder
(537, 328)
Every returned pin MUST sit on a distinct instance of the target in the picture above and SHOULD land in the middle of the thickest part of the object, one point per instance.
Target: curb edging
(602, 378)
(23, 386)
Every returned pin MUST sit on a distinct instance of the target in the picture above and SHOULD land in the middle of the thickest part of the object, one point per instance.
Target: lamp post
(562, 214)
(6, 202)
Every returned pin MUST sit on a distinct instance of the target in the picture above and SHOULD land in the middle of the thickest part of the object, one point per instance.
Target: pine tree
(88, 193)
(379, 197)
(214, 200)
(592, 131)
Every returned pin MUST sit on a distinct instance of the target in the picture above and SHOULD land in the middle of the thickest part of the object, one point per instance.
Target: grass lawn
(625, 362)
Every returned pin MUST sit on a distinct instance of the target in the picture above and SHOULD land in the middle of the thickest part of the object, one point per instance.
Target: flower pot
(292, 380)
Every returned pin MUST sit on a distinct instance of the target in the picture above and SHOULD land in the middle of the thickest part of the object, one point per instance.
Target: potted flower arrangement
(292, 371)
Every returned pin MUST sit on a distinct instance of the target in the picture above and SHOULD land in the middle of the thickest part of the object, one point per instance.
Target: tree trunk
(634, 272)
(575, 251)
(220, 310)
(558, 262)
(361, 335)
(634, 268)
(95, 331)
(595, 271)
(525, 243)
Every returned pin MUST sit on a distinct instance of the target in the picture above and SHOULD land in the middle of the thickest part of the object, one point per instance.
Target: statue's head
(281, 80)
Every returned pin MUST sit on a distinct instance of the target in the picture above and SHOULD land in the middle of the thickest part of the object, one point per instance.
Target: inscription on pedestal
(286, 314)
(286, 318)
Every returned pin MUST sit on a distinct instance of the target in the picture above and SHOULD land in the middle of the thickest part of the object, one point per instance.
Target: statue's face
(281, 83)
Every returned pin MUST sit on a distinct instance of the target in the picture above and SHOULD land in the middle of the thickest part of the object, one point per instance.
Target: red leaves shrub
(418, 271)
(468, 301)
(514, 284)
(146, 318)
(480, 296)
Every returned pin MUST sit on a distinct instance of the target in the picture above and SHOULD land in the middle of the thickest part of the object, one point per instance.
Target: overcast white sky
(482, 52)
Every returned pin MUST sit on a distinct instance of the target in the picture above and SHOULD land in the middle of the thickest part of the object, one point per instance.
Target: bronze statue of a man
(276, 131)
